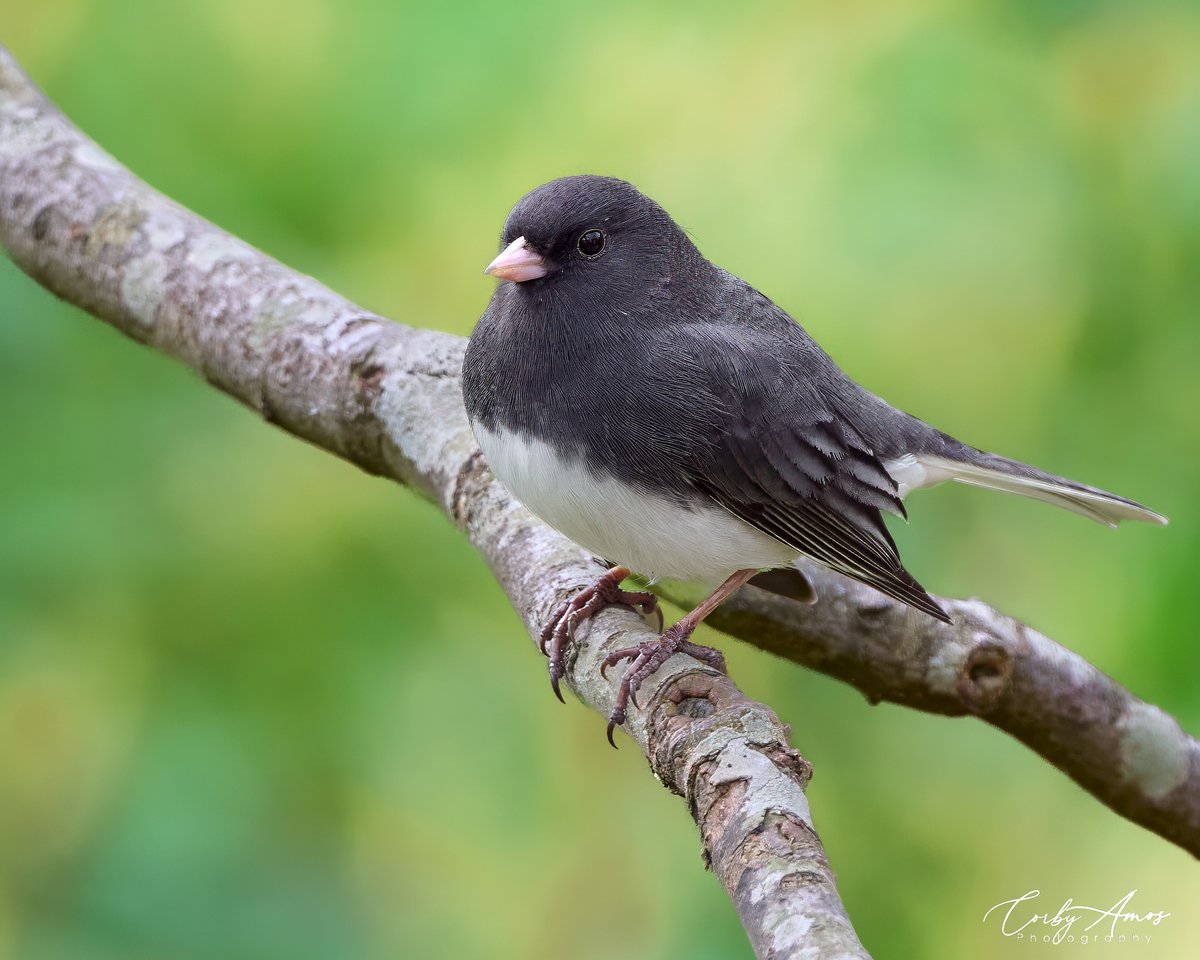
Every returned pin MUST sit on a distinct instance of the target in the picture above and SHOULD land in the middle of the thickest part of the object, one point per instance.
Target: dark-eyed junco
(668, 417)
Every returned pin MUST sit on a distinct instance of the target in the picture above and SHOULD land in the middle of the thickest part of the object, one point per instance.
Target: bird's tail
(981, 469)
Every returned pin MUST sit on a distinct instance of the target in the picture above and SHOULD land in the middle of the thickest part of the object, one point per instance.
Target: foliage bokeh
(254, 703)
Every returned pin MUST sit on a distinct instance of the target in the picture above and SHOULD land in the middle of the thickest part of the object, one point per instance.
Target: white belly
(648, 533)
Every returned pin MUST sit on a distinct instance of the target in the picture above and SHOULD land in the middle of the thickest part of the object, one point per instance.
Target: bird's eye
(591, 243)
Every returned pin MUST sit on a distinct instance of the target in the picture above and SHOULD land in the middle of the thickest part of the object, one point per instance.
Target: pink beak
(517, 263)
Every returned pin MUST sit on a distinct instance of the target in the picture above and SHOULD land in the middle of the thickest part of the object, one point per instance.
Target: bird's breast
(654, 534)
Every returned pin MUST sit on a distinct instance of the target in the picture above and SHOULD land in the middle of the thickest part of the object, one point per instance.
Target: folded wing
(778, 454)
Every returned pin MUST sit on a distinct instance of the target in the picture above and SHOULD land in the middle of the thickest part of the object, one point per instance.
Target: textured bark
(1129, 754)
(387, 398)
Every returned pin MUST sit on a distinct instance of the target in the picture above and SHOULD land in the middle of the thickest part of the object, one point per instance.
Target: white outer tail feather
(915, 471)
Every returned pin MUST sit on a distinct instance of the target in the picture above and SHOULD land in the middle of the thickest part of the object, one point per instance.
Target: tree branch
(387, 398)
(1127, 753)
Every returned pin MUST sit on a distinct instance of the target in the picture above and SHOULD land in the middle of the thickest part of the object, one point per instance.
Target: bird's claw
(625, 653)
(559, 631)
(647, 657)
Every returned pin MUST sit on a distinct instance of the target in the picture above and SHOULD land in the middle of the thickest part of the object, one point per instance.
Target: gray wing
(782, 453)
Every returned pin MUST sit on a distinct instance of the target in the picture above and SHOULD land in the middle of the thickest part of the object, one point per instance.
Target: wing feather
(783, 459)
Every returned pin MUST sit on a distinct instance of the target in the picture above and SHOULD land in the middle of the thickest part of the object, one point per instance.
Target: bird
(669, 418)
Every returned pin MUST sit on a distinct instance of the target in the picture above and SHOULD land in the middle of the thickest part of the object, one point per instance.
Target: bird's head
(595, 236)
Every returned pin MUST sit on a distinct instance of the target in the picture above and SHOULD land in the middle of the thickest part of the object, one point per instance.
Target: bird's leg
(560, 629)
(652, 654)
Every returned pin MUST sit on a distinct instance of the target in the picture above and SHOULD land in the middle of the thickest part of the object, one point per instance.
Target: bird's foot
(647, 657)
(560, 629)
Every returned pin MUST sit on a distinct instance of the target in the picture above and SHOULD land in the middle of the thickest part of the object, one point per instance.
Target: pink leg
(560, 629)
(652, 654)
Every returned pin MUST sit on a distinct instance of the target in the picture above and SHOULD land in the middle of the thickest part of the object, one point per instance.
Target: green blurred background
(256, 704)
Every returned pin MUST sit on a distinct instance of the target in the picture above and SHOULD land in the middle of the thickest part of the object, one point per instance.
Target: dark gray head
(589, 238)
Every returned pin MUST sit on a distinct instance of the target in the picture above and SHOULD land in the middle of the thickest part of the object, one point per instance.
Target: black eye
(591, 243)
